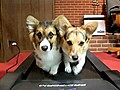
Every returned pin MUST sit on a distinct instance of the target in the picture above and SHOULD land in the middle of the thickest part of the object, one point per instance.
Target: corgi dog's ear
(61, 23)
(31, 23)
(90, 28)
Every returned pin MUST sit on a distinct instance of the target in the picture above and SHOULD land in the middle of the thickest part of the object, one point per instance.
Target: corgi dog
(45, 40)
(74, 43)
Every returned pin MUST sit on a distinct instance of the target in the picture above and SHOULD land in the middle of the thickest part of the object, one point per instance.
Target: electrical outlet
(11, 43)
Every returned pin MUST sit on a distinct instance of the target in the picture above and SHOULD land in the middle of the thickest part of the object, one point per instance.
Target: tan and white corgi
(45, 40)
(74, 43)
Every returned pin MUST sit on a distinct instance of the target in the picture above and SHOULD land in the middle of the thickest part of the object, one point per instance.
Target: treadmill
(94, 76)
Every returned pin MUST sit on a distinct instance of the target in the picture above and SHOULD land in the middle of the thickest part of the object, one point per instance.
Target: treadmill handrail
(96, 62)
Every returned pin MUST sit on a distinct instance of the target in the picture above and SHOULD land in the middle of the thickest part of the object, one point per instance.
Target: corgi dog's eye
(50, 35)
(69, 43)
(39, 35)
(81, 43)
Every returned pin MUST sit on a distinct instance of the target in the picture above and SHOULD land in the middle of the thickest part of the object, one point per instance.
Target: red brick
(102, 41)
(105, 37)
(62, 7)
(70, 1)
(95, 45)
(107, 45)
(92, 41)
(112, 36)
(92, 49)
(96, 37)
(118, 36)
(78, 1)
(102, 49)
(113, 41)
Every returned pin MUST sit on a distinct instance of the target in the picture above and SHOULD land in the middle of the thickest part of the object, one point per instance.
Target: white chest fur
(47, 60)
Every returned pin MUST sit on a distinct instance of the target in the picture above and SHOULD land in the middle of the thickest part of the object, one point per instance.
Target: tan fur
(74, 42)
(44, 34)
(61, 23)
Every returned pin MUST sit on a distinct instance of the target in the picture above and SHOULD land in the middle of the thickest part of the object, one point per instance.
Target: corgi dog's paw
(76, 70)
(68, 69)
(54, 70)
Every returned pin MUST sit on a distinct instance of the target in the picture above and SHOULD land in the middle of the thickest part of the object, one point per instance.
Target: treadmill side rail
(9, 80)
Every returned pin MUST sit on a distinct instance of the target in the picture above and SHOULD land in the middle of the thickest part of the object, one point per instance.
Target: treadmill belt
(88, 72)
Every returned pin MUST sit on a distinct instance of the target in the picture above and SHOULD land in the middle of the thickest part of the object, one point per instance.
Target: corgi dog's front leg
(67, 67)
(67, 64)
(54, 69)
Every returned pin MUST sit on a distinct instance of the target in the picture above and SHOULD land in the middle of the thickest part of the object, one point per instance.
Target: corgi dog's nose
(44, 48)
(75, 57)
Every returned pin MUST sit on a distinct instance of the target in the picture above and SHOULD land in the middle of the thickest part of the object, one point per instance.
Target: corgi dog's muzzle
(44, 37)
(74, 43)
(45, 45)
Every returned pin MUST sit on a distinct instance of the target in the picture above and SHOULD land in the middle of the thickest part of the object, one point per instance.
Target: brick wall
(101, 43)
(74, 11)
